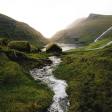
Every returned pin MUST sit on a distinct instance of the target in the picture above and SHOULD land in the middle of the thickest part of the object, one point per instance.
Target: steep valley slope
(15, 30)
(84, 31)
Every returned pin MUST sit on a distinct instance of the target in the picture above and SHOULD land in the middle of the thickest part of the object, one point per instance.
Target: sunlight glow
(49, 16)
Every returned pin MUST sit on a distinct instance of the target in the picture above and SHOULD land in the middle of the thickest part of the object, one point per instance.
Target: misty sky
(49, 16)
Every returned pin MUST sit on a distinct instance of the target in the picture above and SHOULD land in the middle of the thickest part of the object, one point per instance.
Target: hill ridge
(16, 30)
(84, 32)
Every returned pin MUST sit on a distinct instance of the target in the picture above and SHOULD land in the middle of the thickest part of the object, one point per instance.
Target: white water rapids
(60, 98)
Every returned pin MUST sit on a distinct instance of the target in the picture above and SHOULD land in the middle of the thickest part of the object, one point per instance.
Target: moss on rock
(23, 46)
(53, 48)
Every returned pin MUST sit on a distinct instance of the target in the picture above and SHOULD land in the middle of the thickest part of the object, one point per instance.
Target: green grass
(39, 55)
(28, 61)
(89, 78)
(19, 92)
(99, 43)
(91, 46)
(23, 46)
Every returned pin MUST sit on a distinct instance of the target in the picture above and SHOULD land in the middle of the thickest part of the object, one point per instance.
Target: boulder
(23, 46)
(53, 48)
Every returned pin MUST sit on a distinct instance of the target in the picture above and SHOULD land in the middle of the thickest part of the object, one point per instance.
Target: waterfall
(109, 29)
(109, 43)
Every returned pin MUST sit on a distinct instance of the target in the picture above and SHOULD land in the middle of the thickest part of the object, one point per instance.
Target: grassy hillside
(89, 78)
(99, 43)
(15, 30)
(19, 92)
(85, 31)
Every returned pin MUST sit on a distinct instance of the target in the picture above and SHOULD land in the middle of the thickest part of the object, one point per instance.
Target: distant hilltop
(84, 30)
(15, 30)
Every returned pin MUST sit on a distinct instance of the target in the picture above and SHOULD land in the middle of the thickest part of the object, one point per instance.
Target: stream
(60, 99)
(104, 33)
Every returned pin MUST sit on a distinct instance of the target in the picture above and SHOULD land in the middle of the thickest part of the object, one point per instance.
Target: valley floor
(19, 92)
(88, 74)
(89, 78)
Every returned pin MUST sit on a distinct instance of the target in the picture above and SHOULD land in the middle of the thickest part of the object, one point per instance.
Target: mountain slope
(104, 35)
(15, 30)
(19, 92)
(89, 77)
(86, 31)
(103, 39)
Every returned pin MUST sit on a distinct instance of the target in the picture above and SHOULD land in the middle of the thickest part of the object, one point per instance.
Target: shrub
(53, 48)
(23, 46)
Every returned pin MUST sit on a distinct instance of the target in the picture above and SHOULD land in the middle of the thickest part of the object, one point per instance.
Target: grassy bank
(89, 78)
(19, 92)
